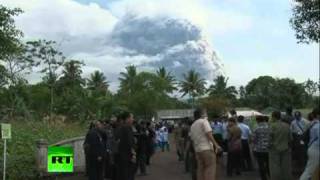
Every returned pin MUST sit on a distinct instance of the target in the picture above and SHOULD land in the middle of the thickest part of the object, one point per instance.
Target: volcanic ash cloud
(176, 44)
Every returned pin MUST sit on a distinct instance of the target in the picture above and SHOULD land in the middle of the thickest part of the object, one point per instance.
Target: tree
(3, 76)
(39, 96)
(216, 106)
(51, 60)
(17, 65)
(70, 90)
(289, 93)
(165, 82)
(259, 92)
(220, 89)
(311, 87)
(312, 92)
(242, 96)
(265, 91)
(193, 85)
(306, 20)
(9, 34)
(127, 79)
(71, 74)
(98, 82)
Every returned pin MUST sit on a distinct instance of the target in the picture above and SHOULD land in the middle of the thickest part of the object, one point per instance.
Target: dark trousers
(234, 163)
(165, 145)
(225, 146)
(141, 163)
(95, 169)
(148, 158)
(299, 158)
(193, 165)
(263, 163)
(219, 140)
(115, 166)
(86, 162)
(108, 166)
(125, 170)
(246, 156)
(187, 161)
(150, 152)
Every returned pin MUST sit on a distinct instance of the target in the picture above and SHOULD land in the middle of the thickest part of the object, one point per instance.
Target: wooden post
(41, 156)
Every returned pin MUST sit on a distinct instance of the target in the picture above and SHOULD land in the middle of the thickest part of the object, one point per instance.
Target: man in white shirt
(245, 136)
(298, 125)
(205, 146)
(299, 153)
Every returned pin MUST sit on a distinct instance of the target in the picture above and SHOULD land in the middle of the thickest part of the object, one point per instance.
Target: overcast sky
(242, 39)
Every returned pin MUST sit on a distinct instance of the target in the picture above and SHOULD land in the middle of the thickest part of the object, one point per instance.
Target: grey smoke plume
(176, 44)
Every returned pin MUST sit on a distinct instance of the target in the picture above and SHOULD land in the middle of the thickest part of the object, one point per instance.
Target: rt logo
(60, 159)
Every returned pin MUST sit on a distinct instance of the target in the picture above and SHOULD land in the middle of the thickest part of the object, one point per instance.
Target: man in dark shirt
(142, 140)
(95, 150)
(150, 142)
(288, 117)
(127, 155)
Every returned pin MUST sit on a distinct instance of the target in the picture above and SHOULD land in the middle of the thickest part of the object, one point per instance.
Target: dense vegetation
(21, 148)
(306, 20)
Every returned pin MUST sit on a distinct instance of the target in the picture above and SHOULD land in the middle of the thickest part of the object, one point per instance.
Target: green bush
(21, 164)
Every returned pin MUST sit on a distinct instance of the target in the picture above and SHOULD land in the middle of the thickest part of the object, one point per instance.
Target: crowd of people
(121, 148)
(283, 145)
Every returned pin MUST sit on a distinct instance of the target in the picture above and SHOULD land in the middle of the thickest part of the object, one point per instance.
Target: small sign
(5, 131)
(60, 159)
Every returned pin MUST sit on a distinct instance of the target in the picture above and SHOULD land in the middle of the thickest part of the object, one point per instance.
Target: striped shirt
(261, 137)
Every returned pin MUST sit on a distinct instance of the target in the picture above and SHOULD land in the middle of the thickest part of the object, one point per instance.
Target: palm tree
(127, 79)
(166, 81)
(220, 88)
(193, 85)
(98, 82)
(72, 74)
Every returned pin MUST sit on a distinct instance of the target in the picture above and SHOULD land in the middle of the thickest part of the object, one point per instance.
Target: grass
(21, 148)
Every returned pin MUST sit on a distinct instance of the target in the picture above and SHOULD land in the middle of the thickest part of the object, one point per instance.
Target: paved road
(166, 167)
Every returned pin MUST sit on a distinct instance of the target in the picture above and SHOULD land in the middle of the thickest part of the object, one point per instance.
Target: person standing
(205, 146)
(234, 148)
(150, 142)
(127, 155)
(179, 140)
(217, 129)
(245, 136)
(86, 147)
(313, 147)
(164, 138)
(261, 142)
(225, 134)
(142, 148)
(299, 152)
(158, 138)
(288, 117)
(96, 148)
(280, 153)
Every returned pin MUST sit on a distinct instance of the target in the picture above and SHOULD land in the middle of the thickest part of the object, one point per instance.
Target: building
(173, 114)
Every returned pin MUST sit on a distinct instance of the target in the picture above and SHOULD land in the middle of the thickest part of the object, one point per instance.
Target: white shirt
(198, 132)
(245, 131)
